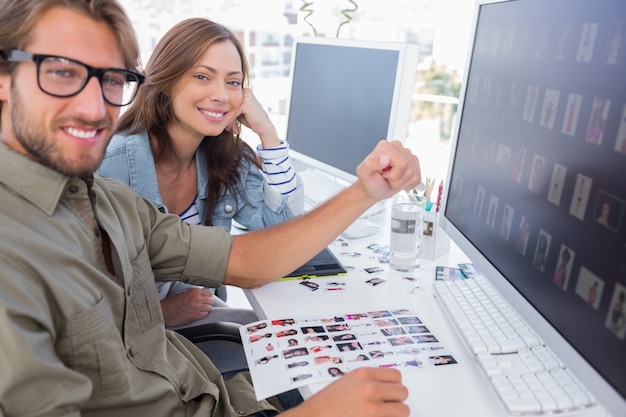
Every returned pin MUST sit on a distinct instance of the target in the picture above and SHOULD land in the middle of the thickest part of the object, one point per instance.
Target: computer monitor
(537, 195)
(346, 96)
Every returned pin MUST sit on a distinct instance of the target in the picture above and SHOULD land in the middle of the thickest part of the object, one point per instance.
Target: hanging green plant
(347, 13)
(305, 8)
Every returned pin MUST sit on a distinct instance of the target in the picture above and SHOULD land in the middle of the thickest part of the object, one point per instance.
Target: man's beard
(34, 139)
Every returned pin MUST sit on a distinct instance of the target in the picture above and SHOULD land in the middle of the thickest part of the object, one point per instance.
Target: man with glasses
(80, 328)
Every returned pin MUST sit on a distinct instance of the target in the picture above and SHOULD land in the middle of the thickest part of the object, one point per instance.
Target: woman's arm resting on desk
(364, 392)
(262, 256)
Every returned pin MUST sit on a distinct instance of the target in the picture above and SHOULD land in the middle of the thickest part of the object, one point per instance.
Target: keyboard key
(512, 345)
(548, 404)
(524, 405)
(581, 398)
(564, 401)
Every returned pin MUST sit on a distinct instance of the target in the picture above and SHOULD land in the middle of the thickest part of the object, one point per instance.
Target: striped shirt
(277, 168)
(191, 214)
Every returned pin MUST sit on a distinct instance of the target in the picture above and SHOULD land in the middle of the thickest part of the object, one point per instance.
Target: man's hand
(389, 168)
(364, 392)
(187, 306)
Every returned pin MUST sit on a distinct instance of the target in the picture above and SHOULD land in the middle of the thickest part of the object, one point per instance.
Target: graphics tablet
(323, 264)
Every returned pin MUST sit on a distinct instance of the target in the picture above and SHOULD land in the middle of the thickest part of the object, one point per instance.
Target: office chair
(221, 292)
(221, 342)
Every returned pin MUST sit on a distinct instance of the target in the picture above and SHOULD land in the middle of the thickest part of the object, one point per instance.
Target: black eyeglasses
(64, 77)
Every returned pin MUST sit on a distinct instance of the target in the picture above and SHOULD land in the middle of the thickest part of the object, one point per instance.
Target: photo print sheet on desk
(293, 352)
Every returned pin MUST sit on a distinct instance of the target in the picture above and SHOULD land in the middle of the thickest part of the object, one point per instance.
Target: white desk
(458, 390)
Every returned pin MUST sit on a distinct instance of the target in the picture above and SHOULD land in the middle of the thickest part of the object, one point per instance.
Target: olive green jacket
(77, 340)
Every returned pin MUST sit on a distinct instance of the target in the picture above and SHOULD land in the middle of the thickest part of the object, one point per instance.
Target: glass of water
(407, 226)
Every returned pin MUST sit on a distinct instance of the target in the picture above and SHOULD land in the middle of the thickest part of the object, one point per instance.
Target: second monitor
(347, 95)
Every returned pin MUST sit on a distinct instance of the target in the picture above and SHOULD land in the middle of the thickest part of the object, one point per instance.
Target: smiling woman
(179, 146)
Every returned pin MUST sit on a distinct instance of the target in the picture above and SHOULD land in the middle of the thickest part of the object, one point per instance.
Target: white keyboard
(528, 378)
(320, 186)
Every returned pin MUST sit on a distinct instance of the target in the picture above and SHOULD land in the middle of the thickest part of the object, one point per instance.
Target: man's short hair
(19, 17)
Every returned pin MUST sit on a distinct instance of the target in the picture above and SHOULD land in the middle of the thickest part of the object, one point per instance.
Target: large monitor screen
(538, 175)
(346, 95)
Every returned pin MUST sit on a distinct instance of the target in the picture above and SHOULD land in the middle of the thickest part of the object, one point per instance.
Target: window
(268, 27)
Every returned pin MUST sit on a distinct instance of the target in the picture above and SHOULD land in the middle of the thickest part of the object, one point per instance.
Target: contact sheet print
(288, 353)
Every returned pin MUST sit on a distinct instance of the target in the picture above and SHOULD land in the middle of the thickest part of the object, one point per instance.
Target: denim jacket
(129, 159)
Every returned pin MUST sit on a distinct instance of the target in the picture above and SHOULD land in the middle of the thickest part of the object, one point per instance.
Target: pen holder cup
(435, 241)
